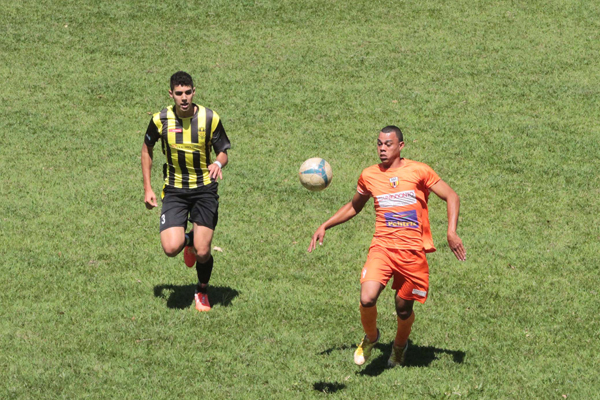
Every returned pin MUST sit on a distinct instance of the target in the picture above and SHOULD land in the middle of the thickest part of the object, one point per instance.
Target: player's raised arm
(446, 193)
(346, 212)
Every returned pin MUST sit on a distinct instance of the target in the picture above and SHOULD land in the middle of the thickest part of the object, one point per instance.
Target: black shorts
(200, 206)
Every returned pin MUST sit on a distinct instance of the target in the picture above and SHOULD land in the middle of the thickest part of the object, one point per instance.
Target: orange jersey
(400, 196)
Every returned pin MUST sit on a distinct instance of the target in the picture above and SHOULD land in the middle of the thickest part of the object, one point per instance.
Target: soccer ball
(315, 174)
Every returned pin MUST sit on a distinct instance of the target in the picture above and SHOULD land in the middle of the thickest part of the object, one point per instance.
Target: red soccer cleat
(189, 256)
(201, 300)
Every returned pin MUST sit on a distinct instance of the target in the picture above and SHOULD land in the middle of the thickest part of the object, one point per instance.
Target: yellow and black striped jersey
(186, 144)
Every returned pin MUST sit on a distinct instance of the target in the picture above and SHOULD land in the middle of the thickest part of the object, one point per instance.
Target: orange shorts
(408, 267)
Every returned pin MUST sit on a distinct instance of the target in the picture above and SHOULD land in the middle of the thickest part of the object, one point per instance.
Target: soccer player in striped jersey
(187, 132)
(400, 189)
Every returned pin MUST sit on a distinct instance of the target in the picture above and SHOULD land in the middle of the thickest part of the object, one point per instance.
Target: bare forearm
(453, 206)
(445, 192)
(147, 167)
(342, 215)
(345, 213)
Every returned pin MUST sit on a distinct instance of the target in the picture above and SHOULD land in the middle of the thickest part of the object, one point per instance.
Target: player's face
(388, 148)
(183, 96)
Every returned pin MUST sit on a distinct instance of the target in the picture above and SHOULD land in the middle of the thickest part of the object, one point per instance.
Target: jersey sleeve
(220, 141)
(152, 134)
(428, 176)
(361, 187)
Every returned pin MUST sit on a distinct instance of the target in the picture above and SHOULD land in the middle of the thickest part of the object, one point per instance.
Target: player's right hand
(150, 200)
(457, 247)
(317, 237)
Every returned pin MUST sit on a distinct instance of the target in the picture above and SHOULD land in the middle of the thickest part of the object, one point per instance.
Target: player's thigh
(172, 240)
(375, 275)
(411, 275)
(378, 267)
(173, 221)
(205, 209)
(202, 239)
(174, 213)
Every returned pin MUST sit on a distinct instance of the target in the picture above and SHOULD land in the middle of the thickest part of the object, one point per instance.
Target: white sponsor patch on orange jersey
(399, 199)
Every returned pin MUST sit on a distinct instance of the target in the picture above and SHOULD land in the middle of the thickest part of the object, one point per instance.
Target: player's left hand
(214, 171)
(456, 245)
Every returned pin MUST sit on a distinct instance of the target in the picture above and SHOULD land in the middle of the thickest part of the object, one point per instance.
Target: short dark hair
(395, 129)
(181, 78)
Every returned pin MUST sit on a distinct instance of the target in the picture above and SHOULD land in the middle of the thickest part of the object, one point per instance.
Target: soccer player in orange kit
(400, 190)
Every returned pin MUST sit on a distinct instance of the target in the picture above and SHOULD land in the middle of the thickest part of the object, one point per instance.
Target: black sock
(201, 289)
(189, 238)
(204, 271)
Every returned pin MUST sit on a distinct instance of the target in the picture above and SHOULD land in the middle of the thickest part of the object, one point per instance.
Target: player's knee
(403, 314)
(202, 254)
(367, 300)
(171, 250)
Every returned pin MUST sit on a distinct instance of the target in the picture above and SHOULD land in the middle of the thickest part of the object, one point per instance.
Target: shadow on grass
(331, 350)
(182, 296)
(417, 356)
(328, 387)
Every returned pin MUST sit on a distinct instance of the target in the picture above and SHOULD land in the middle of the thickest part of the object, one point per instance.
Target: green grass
(500, 98)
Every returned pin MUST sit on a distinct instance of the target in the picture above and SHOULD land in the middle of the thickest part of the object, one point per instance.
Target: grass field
(501, 98)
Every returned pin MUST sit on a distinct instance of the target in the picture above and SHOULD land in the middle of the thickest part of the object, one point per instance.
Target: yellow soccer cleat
(363, 351)
(397, 356)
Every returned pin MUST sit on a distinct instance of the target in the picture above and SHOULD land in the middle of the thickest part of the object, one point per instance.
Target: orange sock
(368, 317)
(403, 331)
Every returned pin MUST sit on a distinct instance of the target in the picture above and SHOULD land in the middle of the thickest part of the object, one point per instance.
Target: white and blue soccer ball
(315, 174)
